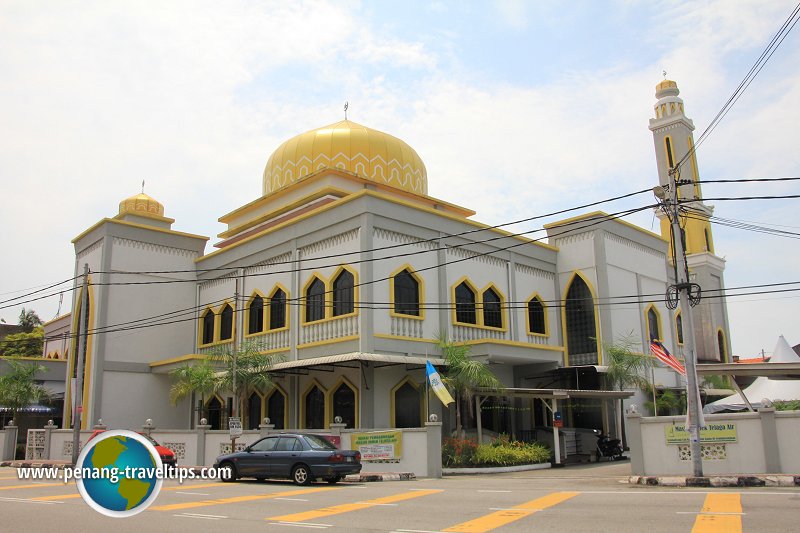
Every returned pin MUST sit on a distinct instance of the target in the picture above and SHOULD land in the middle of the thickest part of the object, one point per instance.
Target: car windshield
(319, 443)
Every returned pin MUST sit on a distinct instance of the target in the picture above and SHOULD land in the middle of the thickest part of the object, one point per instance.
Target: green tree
(626, 368)
(251, 371)
(199, 378)
(464, 375)
(24, 344)
(18, 387)
(29, 320)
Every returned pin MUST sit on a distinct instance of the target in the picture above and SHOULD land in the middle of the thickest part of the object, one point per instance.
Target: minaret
(672, 135)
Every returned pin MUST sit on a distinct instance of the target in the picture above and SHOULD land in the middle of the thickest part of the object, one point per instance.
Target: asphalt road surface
(583, 498)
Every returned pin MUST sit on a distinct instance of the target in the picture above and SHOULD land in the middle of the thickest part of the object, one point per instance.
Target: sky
(517, 109)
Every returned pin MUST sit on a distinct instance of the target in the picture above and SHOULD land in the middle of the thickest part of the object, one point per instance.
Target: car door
(256, 460)
(286, 454)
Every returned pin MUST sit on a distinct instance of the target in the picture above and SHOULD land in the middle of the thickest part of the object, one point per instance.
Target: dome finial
(142, 186)
(664, 72)
(346, 105)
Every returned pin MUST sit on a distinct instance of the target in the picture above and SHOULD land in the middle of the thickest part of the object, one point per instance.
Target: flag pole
(427, 395)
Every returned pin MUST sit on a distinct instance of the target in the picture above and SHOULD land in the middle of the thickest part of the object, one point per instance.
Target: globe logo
(120, 473)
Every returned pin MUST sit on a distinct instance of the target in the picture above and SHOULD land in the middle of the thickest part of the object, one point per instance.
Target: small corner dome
(349, 147)
(667, 87)
(141, 205)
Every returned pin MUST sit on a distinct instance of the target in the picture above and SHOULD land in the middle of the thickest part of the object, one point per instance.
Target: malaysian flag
(663, 355)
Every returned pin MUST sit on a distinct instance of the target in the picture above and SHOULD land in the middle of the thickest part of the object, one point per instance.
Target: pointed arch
(206, 329)
(401, 414)
(313, 406)
(226, 323)
(277, 318)
(722, 346)
(536, 316)
(277, 406)
(679, 328)
(464, 298)
(492, 305)
(346, 403)
(314, 299)
(254, 314)
(85, 294)
(581, 322)
(652, 320)
(407, 293)
(343, 292)
(254, 410)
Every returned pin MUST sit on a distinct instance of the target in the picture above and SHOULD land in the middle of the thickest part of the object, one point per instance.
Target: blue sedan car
(299, 457)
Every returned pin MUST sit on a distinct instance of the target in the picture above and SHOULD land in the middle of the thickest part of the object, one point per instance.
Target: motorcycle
(608, 447)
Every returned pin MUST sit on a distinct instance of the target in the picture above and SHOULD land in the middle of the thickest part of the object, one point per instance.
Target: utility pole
(683, 287)
(234, 406)
(80, 353)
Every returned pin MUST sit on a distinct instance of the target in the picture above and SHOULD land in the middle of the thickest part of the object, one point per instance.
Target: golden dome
(350, 147)
(141, 205)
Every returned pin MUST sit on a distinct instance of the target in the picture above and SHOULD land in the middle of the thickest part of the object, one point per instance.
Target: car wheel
(231, 472)
(333, 480)
(301, 475)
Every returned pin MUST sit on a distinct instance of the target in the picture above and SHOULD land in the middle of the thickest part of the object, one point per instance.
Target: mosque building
(347, 272)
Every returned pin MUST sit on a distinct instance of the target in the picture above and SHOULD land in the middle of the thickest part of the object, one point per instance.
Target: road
(582, 498)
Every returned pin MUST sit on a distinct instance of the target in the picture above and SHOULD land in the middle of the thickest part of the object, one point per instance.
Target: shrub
(500, 452)
(787, 405)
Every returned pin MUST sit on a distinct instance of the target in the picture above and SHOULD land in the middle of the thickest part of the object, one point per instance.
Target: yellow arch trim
(268, 313)
(277, 389)
(725, 356)
(313, 383)
(253, 295)
(476, 292)
(329, 401)
(87, 375)
(659, 328)
(503, 321)
(536, 296)
(677, 328)
(329, 293)
(304, 297)
(420, 295)
(593, 292)
(423, 402)
(218, 322)
(200, 327)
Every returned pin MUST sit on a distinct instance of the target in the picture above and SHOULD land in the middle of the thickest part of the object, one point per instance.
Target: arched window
(670, 157)
(208, 327)
(536, 318)
(214, 407)
(492, 309)
(343, 293)
(253, 411)
(709, 248)
(277, 310)
(344, 404)
(407, 406)
(226, 323)
(276, 409)
(315, 301)
(406, 294)
(580, 324)
(465, 304)
(314, 408)
(679, 327)
(723, 353)
(255, 322)
(653, 326)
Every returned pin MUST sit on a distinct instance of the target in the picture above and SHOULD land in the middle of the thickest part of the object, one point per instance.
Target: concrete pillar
(100, 425)
(633, 431)
(10, 448)
(201, 442)
(769, 433)
(336, 429)
(47, 434)
(434, 431)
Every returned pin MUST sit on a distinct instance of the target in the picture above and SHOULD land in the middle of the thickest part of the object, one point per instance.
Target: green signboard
(709, 434)
(378, 445)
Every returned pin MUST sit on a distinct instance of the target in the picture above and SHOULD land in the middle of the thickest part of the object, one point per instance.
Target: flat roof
(559, 394)
(772, 370)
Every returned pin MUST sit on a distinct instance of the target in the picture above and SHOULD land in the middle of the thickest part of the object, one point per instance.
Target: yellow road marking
(238, 499)
(77, 495)
(713, 521)
(32, 486)
(347, 507)
(506, 516)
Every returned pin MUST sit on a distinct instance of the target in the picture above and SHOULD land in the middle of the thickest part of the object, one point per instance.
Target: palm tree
(28, 319)
(199, 378)
(250, 368)
(626, 368)
(18, 388)
(465, 374)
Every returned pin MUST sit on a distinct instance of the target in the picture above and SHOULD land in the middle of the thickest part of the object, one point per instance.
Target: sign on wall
(235, 426)
(378, 444)
(709, 434)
